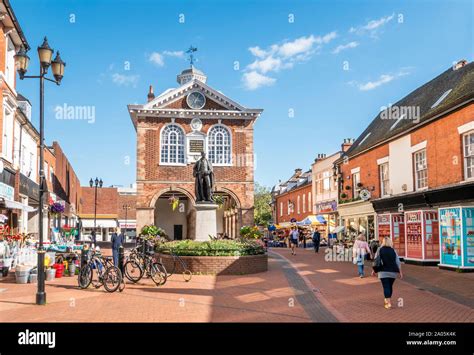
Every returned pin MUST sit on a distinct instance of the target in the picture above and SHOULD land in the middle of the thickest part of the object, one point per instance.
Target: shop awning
(312, 220)
(284, 225)
(100, 223)
(14, 205)
(338, 229)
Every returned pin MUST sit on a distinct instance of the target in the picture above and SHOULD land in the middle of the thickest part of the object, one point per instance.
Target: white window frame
(281, 209)
(355, 188)
(416, 169)
(304, 203)
(51, 173)
(298, 200)
(468, 154)
(7, 141)
(310, 210)
(177, 145)
(211, 146)
(384, 184)
(10, 62)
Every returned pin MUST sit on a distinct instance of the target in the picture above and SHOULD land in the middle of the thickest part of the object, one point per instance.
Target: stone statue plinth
(205, 223)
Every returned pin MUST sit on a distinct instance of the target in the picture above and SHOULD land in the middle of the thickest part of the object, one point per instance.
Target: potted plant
(343, 195)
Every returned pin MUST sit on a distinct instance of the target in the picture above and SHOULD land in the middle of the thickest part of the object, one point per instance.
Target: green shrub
(211, 248)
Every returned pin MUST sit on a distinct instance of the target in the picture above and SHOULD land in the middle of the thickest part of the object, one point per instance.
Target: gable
(176, 98)
(181, 103)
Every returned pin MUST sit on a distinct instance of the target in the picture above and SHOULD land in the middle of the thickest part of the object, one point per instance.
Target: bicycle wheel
(133, 271)
(112, 279)
(162, 270)
(155, 274)
(97, 274)
(84, 278)
(187, 275)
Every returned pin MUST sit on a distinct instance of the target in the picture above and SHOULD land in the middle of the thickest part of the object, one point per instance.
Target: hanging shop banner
(450, 230)
(326, 207)
(413, 234)
(468, 233)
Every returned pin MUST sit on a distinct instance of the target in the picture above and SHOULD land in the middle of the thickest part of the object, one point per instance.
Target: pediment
(176, 98)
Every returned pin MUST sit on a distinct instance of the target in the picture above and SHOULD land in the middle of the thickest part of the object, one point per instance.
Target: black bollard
(121, 258)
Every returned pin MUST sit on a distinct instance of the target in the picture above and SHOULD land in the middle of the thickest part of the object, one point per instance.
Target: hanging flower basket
(174, 202)
(56, 208)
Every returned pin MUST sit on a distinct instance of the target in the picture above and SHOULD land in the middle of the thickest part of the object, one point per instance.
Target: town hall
(173, 129)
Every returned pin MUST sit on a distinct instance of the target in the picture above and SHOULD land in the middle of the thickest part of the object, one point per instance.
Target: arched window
(219, 145)
(172, 145)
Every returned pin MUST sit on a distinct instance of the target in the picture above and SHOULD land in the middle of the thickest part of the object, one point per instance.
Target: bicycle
(106, 273)
(187, 274)
(134, 271)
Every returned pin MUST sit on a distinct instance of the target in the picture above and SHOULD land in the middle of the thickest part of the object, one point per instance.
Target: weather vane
(191, 50)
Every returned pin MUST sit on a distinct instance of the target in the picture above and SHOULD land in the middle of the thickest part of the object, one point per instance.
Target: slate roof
(461, 84)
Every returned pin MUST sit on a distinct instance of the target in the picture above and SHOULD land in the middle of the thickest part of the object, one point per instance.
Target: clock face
(196, 100)
(196, 124)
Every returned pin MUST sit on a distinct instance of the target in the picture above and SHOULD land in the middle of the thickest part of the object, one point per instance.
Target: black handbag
(377, 264)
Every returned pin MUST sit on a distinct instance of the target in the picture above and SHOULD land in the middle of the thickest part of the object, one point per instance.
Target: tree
(262, 209)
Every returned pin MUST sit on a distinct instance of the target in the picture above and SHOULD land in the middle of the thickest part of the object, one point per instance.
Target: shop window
(421, 169)
(172, 145)
(468, 149)
(384, 180)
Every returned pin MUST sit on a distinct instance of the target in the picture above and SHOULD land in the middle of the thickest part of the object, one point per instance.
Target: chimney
(459, 64)
(346, 144)
(298, 172)
(151, 95)
(319, 157)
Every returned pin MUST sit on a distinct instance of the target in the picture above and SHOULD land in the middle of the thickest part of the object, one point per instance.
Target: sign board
(326, 207)
(7, 192)
(196, 145)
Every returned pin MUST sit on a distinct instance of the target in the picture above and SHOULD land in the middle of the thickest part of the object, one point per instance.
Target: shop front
(129, 229)
(356, 218)
(392, 225)
(9, 208)
(29, 195)
(104, 228)
(327, 211)
(422, 237)
(456, 230)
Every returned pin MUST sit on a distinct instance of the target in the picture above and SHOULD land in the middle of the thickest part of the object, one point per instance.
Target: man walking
(316, 240)
(117, 242)
(294, 236)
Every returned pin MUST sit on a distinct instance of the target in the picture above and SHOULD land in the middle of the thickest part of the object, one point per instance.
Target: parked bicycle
(100, 271)
(178, 264)
(139, 266)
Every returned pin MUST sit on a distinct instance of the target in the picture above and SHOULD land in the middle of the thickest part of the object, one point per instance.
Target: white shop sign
(7, 192)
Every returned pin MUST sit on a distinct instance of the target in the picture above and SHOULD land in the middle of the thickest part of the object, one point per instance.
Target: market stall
(422, 237)
(456, 230)
(392, 225)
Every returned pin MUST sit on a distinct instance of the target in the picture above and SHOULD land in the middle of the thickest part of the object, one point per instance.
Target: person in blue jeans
(117, 242)
(359, 251)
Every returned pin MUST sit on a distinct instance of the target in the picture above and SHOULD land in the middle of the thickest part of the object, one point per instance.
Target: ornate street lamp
(95, 183)
(45, 53)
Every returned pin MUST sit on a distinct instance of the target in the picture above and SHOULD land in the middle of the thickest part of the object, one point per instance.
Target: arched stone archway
(229, 217)
(173, 210)
(189, 195)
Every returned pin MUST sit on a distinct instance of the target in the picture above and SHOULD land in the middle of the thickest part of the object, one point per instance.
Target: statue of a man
(204, 175)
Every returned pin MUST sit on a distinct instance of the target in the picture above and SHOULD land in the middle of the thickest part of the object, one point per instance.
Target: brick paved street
(301, 288)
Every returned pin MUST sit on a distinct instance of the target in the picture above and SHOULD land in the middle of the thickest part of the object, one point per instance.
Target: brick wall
(443, 149)
(107, 200)
(293, 197)
(130, 200)
(219, 265)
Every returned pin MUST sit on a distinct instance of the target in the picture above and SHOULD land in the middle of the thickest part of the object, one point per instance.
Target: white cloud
(157, 59)
(125, 80)
(281, 56)
(342, 47)
(370, 85)
(253, 80)
(177, 54)
(373, 26)
(383, 79)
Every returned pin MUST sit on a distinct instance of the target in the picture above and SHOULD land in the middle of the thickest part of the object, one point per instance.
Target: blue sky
(291, 57)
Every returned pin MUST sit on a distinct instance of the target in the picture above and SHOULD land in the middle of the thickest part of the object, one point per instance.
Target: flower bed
(218, 257)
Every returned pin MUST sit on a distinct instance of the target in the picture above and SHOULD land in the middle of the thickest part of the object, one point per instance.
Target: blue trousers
(360, 268)
(115, 254)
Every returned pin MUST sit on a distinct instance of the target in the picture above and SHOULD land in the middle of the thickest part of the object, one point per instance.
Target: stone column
(145, 216)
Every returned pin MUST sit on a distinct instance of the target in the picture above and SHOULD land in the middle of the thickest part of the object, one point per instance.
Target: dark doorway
(178, 232)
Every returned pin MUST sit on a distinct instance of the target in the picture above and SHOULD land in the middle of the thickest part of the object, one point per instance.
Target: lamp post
(45, 54)
(95, 183)
(126, 207)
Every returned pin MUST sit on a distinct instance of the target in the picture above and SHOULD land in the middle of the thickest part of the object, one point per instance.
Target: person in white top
(359, 252)
(294, 236)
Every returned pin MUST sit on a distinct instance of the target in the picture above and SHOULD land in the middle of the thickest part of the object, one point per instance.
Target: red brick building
(293, 198)
(414, 158)
(172, 130)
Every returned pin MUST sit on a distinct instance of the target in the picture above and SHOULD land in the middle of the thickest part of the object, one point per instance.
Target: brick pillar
(145, 215)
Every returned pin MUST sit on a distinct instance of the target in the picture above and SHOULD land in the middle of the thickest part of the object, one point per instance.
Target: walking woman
(294, 236)
(359, 252)
(387, 269)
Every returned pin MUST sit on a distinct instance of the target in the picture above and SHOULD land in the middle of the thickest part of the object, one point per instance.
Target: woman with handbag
(359, 252)
(387, 266)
